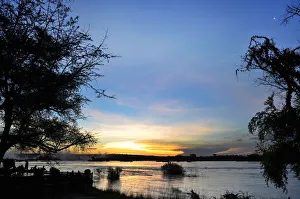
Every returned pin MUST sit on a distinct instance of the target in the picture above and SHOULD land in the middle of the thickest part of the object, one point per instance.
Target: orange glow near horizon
(126, 145)
(138, 148)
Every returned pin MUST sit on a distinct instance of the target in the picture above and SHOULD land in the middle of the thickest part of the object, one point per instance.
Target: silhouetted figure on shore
(33, 169)
(26, 165)
(20, 170)
(194, 195)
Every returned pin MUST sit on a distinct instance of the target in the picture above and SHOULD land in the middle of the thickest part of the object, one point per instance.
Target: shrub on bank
(38, 172)
(230, 195)
(54, 171)
(172, 169)
(114, 173)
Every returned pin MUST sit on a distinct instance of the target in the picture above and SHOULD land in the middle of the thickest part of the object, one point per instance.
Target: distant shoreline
(131, 158)
(191, 158)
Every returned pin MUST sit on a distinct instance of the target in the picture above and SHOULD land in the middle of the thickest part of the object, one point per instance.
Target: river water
(209, 178)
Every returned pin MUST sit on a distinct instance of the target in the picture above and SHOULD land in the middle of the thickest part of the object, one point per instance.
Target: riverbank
(207, 178)
(93, 193)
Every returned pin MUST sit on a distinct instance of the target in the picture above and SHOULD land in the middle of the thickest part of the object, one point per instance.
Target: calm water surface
(207, 178)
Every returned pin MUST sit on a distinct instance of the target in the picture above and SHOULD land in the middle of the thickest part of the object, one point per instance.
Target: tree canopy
(45, 60)
(278, 125)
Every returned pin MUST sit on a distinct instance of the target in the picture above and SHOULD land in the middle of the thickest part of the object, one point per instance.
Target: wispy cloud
(237, 151)
(116, 125)
(135, 134)
(168, 107)
(181, 76)
(220, 147)
(131, 102)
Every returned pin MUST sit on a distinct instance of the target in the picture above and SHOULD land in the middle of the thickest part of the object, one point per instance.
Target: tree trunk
(3, 149)
(2, 152)
(6, 130)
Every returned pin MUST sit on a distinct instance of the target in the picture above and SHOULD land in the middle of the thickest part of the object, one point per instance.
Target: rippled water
(207, 178)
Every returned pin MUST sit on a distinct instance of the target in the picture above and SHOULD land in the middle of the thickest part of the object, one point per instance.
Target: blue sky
(175, 84)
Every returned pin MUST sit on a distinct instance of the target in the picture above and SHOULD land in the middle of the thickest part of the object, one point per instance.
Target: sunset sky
(175, 83)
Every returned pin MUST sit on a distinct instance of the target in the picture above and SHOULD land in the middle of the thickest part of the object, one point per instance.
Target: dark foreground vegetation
(37, 182)
(277, 126)
(93, 193)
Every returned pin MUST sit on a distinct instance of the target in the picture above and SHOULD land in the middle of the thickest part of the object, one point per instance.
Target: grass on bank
(94, 193)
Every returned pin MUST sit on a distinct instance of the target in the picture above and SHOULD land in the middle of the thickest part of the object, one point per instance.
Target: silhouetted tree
(193, 155)
(291, 11)
(45, 59)
(278, 125)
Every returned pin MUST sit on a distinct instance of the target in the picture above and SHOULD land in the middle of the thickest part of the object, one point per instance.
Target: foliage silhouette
(240, 195)
(278, 125)
(45, 59)
(171, 168)
(114, 173)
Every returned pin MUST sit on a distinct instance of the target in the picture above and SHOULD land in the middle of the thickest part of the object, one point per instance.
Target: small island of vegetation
(171, 168)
